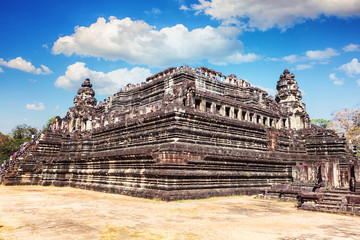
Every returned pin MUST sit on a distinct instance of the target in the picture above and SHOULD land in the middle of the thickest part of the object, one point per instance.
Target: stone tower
(289, 96)
(85, 97)
(81, 115)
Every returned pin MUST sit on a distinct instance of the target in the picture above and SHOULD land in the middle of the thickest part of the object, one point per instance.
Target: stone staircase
(11, 175)
(339, 200)
(334, 200)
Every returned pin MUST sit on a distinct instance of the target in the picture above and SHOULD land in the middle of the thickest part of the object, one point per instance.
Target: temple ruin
(189, 133)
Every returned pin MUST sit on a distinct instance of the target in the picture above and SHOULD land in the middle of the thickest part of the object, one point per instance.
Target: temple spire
(85, 95)
(289, 96)
(81, 115)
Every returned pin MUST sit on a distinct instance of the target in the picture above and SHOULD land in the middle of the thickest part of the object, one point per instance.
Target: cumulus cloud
(45, 70)
(291, 58)
(304, 66)
(236, 58)
(282, 14)
(312, 55)
(321, 54)
(352, 68)
(137, 42)
(184, 8)
(339, 82)
(310, 58)
(352, 48)
(37, 107)
(103, 83)
(332, 76)
(336, 80)
(20, 64)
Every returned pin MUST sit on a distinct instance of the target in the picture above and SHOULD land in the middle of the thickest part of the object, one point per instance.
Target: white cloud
(291, 58)
(332, 76)
(311, 58)
(321, 54)
(25, 66)
(46, 70)
(282, 14)
(137, 42)
(339, 82)
(272, 59)
(316, 56)
(153, 11)
(358, 82)
(185, 8)
(45, 46)
(352, 68)
(335, 79)
(304, 66)
(1, 71)
(103, 83)
(352, 48)
(38, 107)
(236, 58)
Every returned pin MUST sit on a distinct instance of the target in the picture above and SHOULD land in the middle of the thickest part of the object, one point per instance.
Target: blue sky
(47, 48)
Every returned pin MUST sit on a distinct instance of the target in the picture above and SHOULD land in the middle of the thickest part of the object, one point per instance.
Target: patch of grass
(125, 232)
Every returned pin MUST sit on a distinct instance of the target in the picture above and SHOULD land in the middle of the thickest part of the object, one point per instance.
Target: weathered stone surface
(187, 133)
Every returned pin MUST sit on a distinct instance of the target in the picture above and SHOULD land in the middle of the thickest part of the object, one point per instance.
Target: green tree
(22, 133)
(320, 122)
(7, 147)
(10, 144)
(50, 121)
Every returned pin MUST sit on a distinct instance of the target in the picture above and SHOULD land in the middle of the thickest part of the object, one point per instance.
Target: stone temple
(189, 133)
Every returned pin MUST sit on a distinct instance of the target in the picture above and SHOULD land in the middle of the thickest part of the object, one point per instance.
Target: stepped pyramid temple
(192, 133)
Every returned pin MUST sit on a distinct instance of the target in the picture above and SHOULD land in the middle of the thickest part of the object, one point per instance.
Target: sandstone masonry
(187, 133)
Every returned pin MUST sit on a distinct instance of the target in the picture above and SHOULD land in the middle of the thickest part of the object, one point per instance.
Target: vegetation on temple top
(19, 135)
(49, 122)
(7, 147)
(22, 133)
(320, 122)
(347, 121)
(10, 144)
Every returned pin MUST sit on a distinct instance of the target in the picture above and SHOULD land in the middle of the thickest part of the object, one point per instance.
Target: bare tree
(347, 121)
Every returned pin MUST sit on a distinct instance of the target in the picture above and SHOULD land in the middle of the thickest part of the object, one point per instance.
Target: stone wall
(185, 133)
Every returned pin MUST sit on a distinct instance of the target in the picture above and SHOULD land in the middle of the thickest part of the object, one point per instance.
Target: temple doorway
(318, 176)
(352, 178)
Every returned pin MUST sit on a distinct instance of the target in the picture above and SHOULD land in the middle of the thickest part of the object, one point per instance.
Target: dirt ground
(35, 212)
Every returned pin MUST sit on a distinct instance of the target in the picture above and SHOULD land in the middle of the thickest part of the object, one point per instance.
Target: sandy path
(35, 212)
